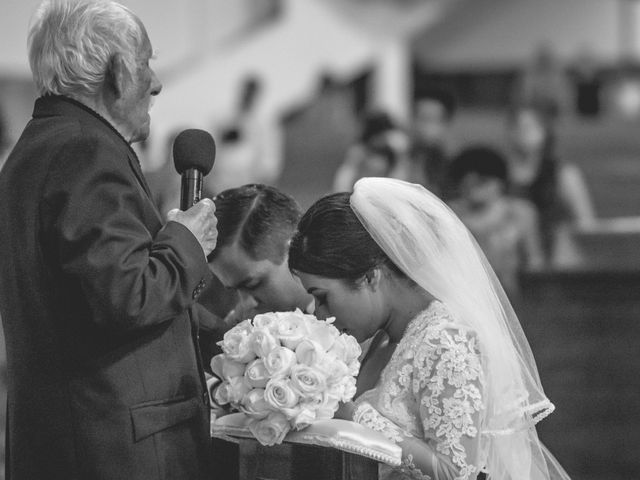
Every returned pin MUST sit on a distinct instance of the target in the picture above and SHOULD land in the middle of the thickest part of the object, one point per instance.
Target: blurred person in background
(506, 228)
(248, 146)
(587, 84)
(557, 189)
(98, 291)
(544, 84)
(381, 151)
(433, 116)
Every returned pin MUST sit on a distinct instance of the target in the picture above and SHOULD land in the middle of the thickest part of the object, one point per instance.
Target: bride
(460, 394)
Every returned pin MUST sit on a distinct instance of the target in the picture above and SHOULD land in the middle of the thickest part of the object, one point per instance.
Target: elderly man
(97, 293)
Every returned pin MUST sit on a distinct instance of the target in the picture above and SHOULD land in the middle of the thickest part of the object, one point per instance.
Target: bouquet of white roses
(285, 370)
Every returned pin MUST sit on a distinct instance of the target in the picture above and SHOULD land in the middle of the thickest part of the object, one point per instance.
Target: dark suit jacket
(97, 302)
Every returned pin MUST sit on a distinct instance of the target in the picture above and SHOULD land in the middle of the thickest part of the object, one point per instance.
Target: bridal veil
(426, 240)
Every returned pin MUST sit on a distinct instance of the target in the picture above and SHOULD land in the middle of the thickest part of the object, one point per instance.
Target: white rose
(307, 381)
(310, 352)
(221, 394)
(304, 418)
(345, 348)
(336, 370)
(237, 389)
(256, 374)
(254, 405)
(270, 430)
(225, 368)
(279, 394)
(327, 407)
(354, 368)
(346, 389)
(263, 342)
(268, 321)
(236, 345)
(324, 333)
(292, 328)
(244, 326)
(279, 362)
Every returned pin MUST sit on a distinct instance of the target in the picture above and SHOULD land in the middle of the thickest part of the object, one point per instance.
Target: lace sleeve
(448, 385)
(368, 416)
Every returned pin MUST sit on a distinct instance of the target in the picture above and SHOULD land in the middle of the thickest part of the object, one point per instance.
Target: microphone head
(194, 148)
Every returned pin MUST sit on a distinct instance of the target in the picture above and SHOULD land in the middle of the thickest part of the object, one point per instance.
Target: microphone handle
(191, 189)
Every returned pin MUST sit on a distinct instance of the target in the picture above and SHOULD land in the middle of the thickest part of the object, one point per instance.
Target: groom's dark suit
(97, 301)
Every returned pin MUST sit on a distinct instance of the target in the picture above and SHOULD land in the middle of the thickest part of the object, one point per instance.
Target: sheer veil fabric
(426, 240)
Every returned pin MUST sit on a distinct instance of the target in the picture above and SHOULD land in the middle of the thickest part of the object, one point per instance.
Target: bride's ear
(372, 278)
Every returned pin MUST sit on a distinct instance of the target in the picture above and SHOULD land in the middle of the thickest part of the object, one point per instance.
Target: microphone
(194, 152)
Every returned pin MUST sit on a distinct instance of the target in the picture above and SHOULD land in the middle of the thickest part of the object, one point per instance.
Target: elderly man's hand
(201, 221)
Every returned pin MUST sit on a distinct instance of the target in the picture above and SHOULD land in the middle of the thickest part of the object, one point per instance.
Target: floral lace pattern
(432, 389)
(368, 416)
(410, 470)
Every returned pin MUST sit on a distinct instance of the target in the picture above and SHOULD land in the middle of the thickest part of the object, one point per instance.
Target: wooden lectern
(327, 450)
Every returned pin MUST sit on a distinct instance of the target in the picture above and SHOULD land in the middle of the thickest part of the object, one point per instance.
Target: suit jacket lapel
(134, 163)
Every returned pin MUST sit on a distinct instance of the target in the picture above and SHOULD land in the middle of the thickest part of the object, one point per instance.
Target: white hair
(72, 42)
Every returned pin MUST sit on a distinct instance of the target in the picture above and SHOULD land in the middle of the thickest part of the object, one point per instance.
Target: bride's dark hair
(331, 242)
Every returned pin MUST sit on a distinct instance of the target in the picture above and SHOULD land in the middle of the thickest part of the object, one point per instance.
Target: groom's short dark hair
(259, 217)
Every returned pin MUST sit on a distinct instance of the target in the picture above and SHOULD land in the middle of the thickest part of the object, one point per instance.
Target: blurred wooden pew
(609, 244)
(584, 330)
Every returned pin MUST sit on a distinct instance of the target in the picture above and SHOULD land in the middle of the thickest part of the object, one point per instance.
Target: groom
(255, 225)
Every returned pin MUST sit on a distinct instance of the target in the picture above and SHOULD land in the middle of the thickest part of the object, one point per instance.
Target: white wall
(179, 30)
(504, 32)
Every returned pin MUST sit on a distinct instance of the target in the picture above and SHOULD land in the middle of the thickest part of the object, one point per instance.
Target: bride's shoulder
(436, 315)
(436, 319)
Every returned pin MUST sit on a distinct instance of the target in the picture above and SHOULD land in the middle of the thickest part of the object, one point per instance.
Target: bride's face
(357, 309)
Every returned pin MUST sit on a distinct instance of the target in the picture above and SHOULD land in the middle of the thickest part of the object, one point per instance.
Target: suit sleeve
(129, 277)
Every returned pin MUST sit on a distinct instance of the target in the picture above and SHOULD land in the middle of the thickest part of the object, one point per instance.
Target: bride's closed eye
(320, 300)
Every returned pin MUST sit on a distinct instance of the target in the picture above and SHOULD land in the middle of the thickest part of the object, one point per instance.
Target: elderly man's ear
(117, 76)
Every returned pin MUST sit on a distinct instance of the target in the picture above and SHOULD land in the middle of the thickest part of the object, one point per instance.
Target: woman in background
(557, 189)
(506, 228)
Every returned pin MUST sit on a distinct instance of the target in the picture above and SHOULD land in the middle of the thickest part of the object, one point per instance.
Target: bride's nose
(321, 312)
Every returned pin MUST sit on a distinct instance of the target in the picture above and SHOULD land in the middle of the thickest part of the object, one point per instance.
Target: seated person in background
(506, 228)
(543, 82)
(433, 115)
(382, 151)
(255, 225)
(557, 189)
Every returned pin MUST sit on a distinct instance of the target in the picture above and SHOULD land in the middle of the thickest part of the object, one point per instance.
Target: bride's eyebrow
(243, 283)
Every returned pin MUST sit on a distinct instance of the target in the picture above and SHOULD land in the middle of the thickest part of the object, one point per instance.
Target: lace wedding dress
(431, 389)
